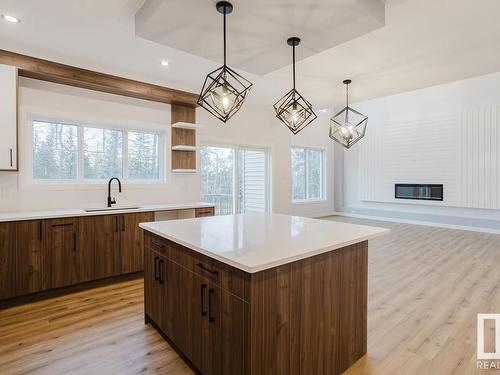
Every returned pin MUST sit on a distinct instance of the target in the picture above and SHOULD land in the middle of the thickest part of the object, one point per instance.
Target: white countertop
(37, 215)
(254, 242)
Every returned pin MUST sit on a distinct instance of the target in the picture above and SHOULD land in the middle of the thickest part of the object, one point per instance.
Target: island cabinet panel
(29, 244)
(7, 260)
(310, 316)
(153, 289)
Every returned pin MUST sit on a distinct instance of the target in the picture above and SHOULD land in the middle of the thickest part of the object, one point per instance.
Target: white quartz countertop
(34, 215)
(254, 242)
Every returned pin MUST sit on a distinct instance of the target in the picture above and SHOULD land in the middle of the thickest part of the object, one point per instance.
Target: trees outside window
(75, 153)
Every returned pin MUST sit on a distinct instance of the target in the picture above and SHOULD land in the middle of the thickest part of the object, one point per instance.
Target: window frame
(322, 197)
(236, 148)
(80, 180)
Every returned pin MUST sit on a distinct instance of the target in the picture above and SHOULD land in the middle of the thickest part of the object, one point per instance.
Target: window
(102, 153)
(55, 151)
(235, 179)
(307, 174)
(76, 153)
(143, 156)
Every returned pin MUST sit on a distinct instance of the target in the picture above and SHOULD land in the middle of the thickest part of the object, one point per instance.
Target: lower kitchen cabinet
(119, 243)
(107, 233)
(68, 252)
(29, 245)
(7, 260)
(205, 322)
(132, 241)
(39, 255)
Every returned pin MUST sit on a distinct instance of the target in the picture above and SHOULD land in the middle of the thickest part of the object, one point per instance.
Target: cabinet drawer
(204, 211)
(227, 277)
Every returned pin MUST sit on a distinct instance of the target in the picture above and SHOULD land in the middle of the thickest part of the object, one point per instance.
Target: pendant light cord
(347, 94)
(293, 56)
(224, 35)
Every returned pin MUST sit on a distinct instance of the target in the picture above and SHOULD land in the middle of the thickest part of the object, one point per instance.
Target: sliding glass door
(235, 179)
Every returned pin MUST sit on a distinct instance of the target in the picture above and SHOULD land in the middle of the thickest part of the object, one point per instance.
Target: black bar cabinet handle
(159, 244)
(160, 273)
(40, 234)
(156, 268)
(210, 317)
(203, 287)
(74, 243)
(61, 225)
(11, 162)
(123, 223)
(116, 223)
(205, 268)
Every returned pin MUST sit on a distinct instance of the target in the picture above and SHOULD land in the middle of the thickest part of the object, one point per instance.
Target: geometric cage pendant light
(224, 90)
(293, 109)
(348, 126)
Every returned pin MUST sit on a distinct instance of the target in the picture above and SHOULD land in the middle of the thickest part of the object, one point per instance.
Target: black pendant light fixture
(348, 126)
(224, 90)
(292, 109)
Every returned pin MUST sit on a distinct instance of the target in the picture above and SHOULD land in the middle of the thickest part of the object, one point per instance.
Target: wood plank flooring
(426, 286)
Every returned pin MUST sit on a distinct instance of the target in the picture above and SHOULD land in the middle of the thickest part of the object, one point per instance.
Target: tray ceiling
(257, 29)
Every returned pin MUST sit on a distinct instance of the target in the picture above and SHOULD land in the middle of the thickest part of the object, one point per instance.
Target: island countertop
(253, 242)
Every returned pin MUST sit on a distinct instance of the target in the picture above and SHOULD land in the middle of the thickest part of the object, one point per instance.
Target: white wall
(447, 134)
(252, 126)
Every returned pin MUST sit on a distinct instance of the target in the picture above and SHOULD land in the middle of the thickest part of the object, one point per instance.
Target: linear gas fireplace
(427, 192)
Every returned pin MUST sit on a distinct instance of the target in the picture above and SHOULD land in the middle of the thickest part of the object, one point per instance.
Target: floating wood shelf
(184, 148)
(185, 125)
(183, 139)
(184, 170)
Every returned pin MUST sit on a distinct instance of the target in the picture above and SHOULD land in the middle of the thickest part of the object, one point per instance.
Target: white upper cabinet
(8, 118)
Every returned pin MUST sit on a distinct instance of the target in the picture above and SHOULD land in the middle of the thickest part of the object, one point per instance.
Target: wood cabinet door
(29, 242)
(153, 290)
(233, 336)
(224, 334)
(7, 260)
(60, 252)
(107, 246)
(188, 306)
(132, 241)
(85, 250)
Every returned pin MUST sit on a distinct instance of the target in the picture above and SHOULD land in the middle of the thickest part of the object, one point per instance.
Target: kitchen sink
(103, 209)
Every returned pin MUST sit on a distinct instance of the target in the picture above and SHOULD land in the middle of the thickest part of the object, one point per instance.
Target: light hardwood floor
(426, 286)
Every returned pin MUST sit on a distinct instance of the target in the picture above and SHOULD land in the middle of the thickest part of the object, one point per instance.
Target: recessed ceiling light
(323, 110)
(11, 19)
(164, 63)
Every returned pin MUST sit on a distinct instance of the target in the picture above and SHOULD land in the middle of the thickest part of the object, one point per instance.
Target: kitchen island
(259, 293)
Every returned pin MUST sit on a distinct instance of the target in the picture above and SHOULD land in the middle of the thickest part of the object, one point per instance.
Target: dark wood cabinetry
(40, 255)
(68, 252)
(132, 241)
(305, 317)
(29, 244)
(204, 211)
(7, 260)
(107, 234)
(205, 321)
(119, 243)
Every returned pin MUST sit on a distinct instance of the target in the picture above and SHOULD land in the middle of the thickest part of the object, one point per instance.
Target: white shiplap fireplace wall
(447, 134)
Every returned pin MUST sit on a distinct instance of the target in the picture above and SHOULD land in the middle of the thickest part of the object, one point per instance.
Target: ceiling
(423, 43)
(257, 30)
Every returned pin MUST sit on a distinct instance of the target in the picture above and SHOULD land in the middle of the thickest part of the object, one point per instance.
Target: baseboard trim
(415, 222)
